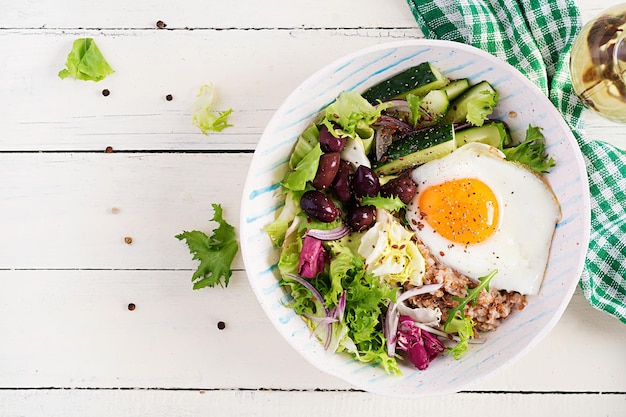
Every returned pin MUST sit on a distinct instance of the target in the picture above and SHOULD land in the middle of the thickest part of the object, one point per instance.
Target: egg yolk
(463, 211)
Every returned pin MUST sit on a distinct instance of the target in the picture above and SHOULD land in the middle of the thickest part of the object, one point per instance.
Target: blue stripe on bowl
(260, 191)
(279, 145)
(460, 67)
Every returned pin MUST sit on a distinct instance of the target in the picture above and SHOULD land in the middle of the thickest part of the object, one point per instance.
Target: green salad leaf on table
(203, 116)
(215, 252)
(86, 62)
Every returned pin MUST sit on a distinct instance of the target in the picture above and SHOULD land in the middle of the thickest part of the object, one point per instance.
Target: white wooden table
(69, 343)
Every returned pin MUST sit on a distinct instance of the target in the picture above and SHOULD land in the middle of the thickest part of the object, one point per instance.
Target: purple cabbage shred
(421, 346)
(312, 258)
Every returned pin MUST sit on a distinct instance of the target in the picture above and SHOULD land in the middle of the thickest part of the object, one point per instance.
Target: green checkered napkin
(535, 36)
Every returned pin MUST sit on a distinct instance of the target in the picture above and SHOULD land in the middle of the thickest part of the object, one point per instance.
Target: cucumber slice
(494, 134)
(436, 104)
(416, 149)
(482, 93)
(417, 80)
(456, 88)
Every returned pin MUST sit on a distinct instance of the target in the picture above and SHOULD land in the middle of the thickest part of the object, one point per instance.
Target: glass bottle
(598, 64)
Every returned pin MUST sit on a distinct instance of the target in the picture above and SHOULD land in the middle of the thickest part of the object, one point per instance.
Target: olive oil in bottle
(598, 64)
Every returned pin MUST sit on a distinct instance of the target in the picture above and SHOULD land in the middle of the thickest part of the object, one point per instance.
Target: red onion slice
(424, 289)
(397, 104)
(316, 294)
(324, 327)
(392, 123)
(332, 234)
(382, 141)
(390, 327)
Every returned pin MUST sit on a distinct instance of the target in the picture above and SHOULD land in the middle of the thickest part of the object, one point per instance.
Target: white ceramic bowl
(358, 71)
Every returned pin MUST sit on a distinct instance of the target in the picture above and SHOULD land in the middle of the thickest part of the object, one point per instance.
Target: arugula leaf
(531, 152)
(215, 252)
(388, 203)
(472, 296)
(202, 113)
(85, 62)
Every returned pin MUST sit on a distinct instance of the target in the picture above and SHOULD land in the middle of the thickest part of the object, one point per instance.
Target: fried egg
(477, 212)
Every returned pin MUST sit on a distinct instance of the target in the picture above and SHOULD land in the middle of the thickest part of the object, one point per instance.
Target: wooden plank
(219, 14)
(42, 112)
(67, 277)
(73, 329)
(45, 403)
(74, 210)
(207, 14)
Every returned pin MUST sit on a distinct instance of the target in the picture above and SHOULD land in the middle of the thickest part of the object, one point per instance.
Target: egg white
(528, 213)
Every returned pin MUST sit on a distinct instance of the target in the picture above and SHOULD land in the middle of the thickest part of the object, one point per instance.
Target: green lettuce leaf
(278, 228)
(367, 297)
(375, 351)
(308, 223)
(351, 112)
(215, 252)
(203, 115)
(342, 263)
(289, 258)
(531, 152)
(481, 107)
(415, 102)
(388, 203)
(85, 62)
(305, 171)
(305, 143)
(359, 332)
(464, 328)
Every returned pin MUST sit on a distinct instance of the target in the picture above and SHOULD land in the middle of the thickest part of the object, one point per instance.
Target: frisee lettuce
(480, 107)
(388, 203)
(365, 299)
(203, 115)
(215, 252)
(86, 62)
(531, 152)
(351, 112)
(464, 328)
